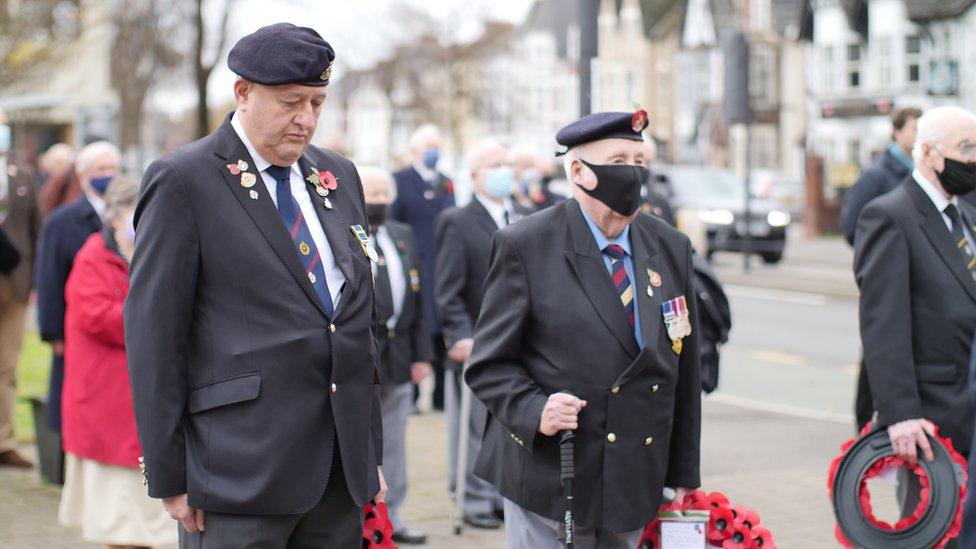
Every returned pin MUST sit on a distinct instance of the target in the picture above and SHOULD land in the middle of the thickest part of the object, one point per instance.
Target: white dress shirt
(941, 202)
(427, 174)
(333, 275)
(4, 188)
(394, 271)
(496, 210)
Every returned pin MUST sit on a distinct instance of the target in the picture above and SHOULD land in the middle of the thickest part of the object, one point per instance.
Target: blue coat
(64, 232)
(880, 178)
(417, 204)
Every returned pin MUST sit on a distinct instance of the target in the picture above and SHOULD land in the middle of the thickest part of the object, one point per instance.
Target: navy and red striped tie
(620, 279)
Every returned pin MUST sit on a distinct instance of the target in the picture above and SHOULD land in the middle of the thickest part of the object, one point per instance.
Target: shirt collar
(260, 164)
(622, 240)
(97, 203)
(900, 155)
(426, 173)
(933, 193)
(495, 209)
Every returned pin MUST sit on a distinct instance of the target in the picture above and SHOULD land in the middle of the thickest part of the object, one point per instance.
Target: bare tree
(33, 35)
(207, 52)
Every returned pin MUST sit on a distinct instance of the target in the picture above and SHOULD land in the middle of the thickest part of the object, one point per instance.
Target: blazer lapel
(229, 149)
(333, 222)
(648, 307)
(941, 239)
(481, 215)
(587, 262)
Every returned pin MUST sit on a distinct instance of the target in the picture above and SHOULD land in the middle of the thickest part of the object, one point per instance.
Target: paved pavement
(773, 463)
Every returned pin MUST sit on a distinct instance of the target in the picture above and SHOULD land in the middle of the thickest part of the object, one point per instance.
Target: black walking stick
(566, 474)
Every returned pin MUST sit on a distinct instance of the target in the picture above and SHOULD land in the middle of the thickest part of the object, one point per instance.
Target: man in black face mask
(404, 345)
(915, 265)
(589, 323)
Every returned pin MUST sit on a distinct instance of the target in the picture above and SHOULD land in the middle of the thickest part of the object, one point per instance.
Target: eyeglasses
(967, 151)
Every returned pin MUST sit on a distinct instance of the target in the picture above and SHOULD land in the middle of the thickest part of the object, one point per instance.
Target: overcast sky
(359, 30)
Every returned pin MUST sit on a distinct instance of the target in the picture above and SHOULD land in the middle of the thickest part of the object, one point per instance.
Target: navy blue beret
(603, 125)
(283, 54)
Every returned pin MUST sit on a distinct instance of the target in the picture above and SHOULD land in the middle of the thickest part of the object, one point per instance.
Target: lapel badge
(677, 319)
(22, 191)
(429, 194)
(236, 169)
(364, 242)
(12, 170)
(655, 278)
(414, 281)
(248, 180)
(650, 292)
(328, 203)
(254, 195)
(304, 248)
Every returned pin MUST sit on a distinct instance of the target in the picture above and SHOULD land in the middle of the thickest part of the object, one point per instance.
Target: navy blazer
(967, 537)
(64, 232)
(418, 204)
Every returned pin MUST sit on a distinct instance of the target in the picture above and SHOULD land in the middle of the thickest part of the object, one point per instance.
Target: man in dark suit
(967, 537)
(883, 176)
(20, 220)
(404, 343)
(64, 232)
(589, 323)
(250, 324)
(914, 263)
(463, 246)
(422, 193)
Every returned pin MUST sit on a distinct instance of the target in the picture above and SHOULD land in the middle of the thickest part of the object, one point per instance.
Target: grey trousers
(336, 522)
(397, 402)
(527, 530)
(480, 496)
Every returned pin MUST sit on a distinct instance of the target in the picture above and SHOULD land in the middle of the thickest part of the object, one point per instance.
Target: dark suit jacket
(408, 341)
(967, 537)
(463, 247)
(413, 207)
(23, 228)
(231, 352)
(917, 312)
(551, 321)
(880, 178)
(9, 256)
(64, 232)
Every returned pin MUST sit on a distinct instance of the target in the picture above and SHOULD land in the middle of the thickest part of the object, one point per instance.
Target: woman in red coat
(104, 493)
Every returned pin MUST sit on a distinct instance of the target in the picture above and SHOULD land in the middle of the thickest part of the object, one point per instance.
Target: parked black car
(717, 198)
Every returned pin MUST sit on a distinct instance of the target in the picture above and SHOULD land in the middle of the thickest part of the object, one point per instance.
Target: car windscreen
(704, 182)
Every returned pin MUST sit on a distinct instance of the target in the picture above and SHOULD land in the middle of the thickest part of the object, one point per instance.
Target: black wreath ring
(937, 518)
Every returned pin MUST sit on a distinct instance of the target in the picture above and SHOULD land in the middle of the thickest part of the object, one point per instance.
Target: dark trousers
(54, 394)
(863, 403)
(440, 356)
(335, 522)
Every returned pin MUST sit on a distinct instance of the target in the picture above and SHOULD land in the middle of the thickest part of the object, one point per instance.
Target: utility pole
(589, 12)
(738, 114)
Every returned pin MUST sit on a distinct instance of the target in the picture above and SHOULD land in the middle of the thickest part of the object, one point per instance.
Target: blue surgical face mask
(100, 184)
(498, 182)
(4, 138)
(431, 157)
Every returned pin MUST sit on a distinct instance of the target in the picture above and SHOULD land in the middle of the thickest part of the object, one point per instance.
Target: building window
(854, 52)
(854, 152)
(914, 72)
(854, 66)
(884, 62)
(828, 68)
(854, 79)
(913, 45)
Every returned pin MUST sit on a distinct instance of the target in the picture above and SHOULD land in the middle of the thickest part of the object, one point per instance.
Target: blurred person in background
(532, 176)
(404, 342)
(422, 193)
(463, 247)
(60, 184)
(20, 220)
(103, 493)
(653, 201)
(884, 175)
(64, 233)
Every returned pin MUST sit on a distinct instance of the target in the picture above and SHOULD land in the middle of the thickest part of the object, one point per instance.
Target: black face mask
(958, 177)
(617, 186)
(376, 214)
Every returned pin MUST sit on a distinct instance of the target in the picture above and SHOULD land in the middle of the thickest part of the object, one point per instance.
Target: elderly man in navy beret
(250, 321)
(589, 324)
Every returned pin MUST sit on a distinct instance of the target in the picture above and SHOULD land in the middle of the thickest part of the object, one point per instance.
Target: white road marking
(782, 409)
(799, 298)
(779, 357)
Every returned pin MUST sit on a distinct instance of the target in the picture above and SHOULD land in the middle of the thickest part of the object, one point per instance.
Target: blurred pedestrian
(60, 184)
(64, 233)
(463, 246)
(532, 177)
(103, 493)
(589, 324)
(404, 342)
(20, 221)
(250, 320)
(915, 265)
(422, 193)
(884, 175)
(654, 201)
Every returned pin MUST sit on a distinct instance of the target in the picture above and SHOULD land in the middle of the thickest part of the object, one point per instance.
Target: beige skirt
(110, 505)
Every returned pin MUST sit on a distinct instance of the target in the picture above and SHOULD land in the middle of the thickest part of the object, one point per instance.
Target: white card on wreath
(682, 535)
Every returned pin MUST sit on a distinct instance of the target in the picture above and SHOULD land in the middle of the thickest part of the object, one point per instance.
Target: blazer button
(648, 441)
(332, 328)
(615, 390)
(334, 388)
(654, 388)
(611, 438)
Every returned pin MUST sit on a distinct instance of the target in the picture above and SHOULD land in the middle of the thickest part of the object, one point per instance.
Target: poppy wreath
(937, 517)
(377, 528)
(729, 526)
